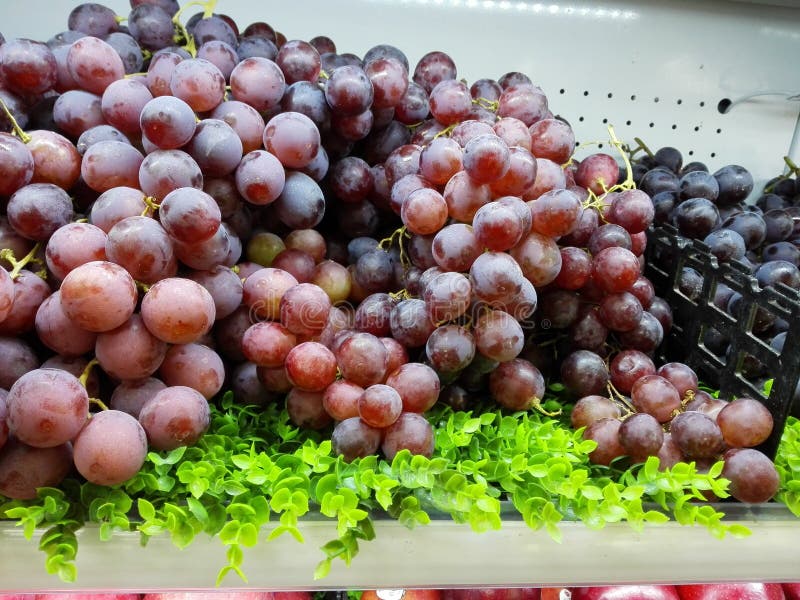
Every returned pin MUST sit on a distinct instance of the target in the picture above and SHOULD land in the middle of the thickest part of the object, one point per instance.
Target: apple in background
(732, 591)
(492, 594)
(626, 592)
(85, 596)
(791, 590)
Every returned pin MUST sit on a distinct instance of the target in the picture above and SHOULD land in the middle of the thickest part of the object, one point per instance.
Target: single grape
(516, 385)
(306, 409)
(311, 367)
(353, 438)
(111, 448)
(744, 423)
(130, 351)
(46, 407)
(380, 406)
(584, 373)
(24, 469)
(176, 416)
(589, 409)
(177, 310)
(193, 365)
(641, 436)
(98, 296)
(131, 396)
(412, 432)
(605, 432)
(362, 359)
(753, 477)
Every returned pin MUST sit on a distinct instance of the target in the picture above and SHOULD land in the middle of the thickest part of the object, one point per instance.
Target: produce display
(247, 277)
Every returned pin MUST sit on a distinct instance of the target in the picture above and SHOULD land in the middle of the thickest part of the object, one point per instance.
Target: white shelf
(441, 554)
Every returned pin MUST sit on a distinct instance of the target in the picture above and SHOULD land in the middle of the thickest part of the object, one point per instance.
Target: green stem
(15, 126)
(18, 265)
(87, 371)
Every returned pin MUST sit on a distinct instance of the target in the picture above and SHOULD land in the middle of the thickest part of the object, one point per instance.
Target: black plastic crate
(667, 255)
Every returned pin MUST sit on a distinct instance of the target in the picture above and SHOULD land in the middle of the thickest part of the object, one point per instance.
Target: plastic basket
(667, 255)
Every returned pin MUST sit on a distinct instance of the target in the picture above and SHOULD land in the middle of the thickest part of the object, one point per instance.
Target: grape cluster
(764, 236)
(662, 412)
(189, 207)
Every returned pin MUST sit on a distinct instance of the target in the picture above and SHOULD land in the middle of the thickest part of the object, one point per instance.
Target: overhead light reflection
(526, 7)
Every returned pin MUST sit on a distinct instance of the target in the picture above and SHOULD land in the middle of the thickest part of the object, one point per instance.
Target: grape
(521, 174)
(247, 388)
(735, 184)
(176, 416)
(753, 477)
(539, 258)
(412, 432)
(641, 436)
(576, 268)
(340, 399)
(525, 102)
(301, 204)
(608, 236)
(615, 269)
(260, 177)
(697, 217)
(72, 245)
(447, 296)
(311, 367)
(552, 139)
(168, 122)
(348, 90)
(588, 331)
(244, 120)
(299, 61)
(27, 67)
(450, 348)
(606, 433)
(306, 409)
(496, 276)
(189, 215)
(464, 197)
(151, 26)
(223, 248)
(55, 160)
(178, 311)
(559, 309)
(516, 384)
(455, 247)
(633, 210)
(128, 50)
(646, 336)
(424, 211)
(29, 292)
(656, 396)
(46, 407)
(264, 289)
(130, 351)
(556, 213)
(94, 64)
(224, 286)
(58, 332)
(418, 386)
(486, 158)
(221, 54)
(628, 367)
(450, 102)
(584, 373)
(304, 309)
(374, 270)
(433, 68)
(697, 435)
(98, 296)
(76, 111)
(353, 438)
(296, 262)
(620, 312)
(37, 210)
(163, 171)
(109, 164)
(16, 166)
(131, 396)
(293, 138)
(195, 366)
(199, 83)
(16, 359)
(380, 406)
(498, 336)
(497, 226)
(589, 409)
(111, 448)
(681, 376)
(24, 469)
(362, 359)
(744, 423)
(142, 247)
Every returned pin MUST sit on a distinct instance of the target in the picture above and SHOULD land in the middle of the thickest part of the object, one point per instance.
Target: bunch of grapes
(190, 207)
(763, 237)
(662, 412)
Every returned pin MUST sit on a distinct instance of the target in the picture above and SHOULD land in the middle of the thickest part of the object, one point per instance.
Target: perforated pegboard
(656, 70)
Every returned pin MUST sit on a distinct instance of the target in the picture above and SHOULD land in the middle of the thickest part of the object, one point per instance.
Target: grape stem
(324, 74)
(397, 236)
(14, 125)
(641, 146)
(129, 75)
(446, 131)
(145, 287)
(615, 394)
(537, 406)
(87, 371)
(791, 169)
(491, 105)
(18, 265)
(151, 206)
(98, 402)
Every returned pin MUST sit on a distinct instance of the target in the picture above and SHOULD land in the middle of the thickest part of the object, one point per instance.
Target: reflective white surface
(442, 554)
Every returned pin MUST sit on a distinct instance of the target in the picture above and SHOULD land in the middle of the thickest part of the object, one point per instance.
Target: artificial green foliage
(255, 477)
